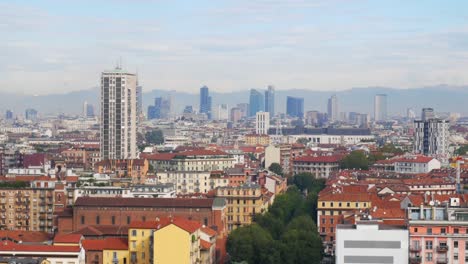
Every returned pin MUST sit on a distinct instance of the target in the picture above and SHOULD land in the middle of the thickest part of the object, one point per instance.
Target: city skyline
(374, 44)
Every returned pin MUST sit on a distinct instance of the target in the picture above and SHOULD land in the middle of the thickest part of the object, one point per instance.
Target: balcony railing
(415, 260)
(442, 260)
(442, 248)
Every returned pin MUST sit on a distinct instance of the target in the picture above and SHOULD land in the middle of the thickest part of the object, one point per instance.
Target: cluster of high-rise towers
(121, 109)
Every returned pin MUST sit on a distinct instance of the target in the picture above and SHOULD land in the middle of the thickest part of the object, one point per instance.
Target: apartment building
(257, 139)
(242, 203)
(32, 208)
(320, 166)
(334, 205)
(186, 182)
(438, 232)
(192, 160)
(135, 169)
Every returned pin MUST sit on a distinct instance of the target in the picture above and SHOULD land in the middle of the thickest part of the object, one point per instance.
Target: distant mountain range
(442, 98)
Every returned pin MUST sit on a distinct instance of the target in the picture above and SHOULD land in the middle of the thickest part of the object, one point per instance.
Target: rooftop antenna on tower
(119, 64)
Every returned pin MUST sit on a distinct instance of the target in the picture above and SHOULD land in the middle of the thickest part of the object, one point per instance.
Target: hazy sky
(59, 46)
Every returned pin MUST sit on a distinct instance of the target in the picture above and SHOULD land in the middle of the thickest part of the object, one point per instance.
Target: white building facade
(262, 123)
(369, 242)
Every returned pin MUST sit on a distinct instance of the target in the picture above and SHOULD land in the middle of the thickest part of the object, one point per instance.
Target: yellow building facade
(139, 241)
(115, 256)
(243, 202)
(172, 244)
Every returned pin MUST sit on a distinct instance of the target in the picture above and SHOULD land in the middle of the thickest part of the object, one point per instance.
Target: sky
(61, 46)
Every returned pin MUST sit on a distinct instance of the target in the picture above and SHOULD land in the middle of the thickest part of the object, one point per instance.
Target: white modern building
(118, 114)
(369, 242)
(380, 107)
(262, 123)
(431, 138)
(416, 164)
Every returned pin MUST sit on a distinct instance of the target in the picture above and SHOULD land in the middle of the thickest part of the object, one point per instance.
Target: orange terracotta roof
(201, 152)
(210, 232)
(68, 238)
(103, 244)
(205, 244)
(413, 159)
(185, 224)
(11, 246)
(25, 236)
(159, 156)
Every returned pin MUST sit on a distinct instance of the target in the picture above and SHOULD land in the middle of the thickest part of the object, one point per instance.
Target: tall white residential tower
(118, 114)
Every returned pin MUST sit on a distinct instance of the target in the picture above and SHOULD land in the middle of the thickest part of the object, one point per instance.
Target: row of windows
(443, 230)
(340, 204)
(129, 219)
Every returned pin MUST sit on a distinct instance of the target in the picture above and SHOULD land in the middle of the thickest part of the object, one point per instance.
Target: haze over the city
(57, 47)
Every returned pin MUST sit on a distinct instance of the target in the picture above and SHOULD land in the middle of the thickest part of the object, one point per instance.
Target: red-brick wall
(213, 218)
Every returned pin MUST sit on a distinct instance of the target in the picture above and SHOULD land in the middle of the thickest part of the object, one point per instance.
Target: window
(348, 204)
(415, 229)
(323, 220)
(332, 229)
(142, 233)
(331, 204)
(429, 257)
(114, 254)
(442, 230)
(143, 218)
(98, 220)
(113, 220)
(455, 244)
(331, 221)
(82, 219)
(323, 204)
(133, 244)
(429, 231)
(205, 221)
(142, 255)
(128, 219)
(456, 231)
(339, 204)
(429, 245)
(134, 232)
(323, 229)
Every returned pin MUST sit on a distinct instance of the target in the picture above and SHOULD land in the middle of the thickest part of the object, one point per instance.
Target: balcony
(442, 248)
(442, 260)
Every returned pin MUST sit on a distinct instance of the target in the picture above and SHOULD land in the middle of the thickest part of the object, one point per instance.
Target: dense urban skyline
(317, 45)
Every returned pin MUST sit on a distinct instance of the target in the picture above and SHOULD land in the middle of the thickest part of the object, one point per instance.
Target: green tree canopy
(276, 168)
(302, 141)
(307, 181)
(390, 148)
(155, 137)
(252, 244)
(462, 150)
(285, 234)
(355, 160)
